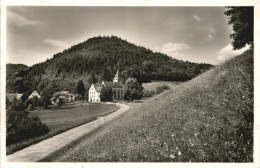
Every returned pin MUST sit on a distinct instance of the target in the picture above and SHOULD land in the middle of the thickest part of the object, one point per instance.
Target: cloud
(19, 20)
(56, 43)
(212, 30)
(172, 49)
(197, 18)
(210, 37)
(227, 53)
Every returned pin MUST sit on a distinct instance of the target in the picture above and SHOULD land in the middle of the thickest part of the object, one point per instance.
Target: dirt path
(44, 148)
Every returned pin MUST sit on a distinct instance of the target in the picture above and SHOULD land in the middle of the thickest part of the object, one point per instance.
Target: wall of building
(93, 95)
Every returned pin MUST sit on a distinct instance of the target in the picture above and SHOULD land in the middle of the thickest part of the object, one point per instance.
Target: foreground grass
(209, 119)
(61, 120)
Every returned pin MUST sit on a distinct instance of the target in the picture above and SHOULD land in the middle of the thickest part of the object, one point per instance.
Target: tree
(133, 89)
(242, 20)
(20, 125)
(46, 96)
(60, 103)
(80, 89)
(92, 78)
(106, 94)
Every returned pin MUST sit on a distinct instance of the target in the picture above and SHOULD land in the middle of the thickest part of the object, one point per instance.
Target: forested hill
(13, 73)
(97, 59)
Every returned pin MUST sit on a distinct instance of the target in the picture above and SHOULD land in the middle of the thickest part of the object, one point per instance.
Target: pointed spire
(117, 76)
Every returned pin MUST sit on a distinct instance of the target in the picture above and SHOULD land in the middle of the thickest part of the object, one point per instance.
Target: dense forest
(97, 59)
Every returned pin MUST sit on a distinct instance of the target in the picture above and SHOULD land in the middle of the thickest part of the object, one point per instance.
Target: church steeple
(117, 76)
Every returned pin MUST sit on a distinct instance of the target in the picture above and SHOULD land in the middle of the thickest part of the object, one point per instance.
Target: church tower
(117, 76)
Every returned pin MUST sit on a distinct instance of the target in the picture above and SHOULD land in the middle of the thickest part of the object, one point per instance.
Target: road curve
(44, 148)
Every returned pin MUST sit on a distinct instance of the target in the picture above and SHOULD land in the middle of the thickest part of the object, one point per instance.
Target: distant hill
(100, 56)
(208, 119)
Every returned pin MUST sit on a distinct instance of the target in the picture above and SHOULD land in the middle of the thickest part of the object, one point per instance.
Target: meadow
(61, 120)
(154, 84)
(208, 119)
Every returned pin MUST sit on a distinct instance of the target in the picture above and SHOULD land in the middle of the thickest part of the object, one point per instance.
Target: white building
(34, 94)
(116, 86)
(94, 93)
(66, 96)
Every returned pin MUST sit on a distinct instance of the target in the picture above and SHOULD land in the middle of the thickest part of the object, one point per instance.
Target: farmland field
(59, 120)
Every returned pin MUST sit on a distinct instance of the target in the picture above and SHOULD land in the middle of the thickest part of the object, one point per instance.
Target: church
(116, 86)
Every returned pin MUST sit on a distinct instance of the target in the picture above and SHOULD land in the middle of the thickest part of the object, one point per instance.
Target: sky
(196, 34)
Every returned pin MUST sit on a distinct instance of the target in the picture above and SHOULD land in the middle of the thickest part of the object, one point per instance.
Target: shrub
(106, 94)
(160, 89)
(134, 89)
(20, 126)
(148, 93)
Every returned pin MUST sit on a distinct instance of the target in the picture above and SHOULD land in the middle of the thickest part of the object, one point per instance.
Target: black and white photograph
(141, 84)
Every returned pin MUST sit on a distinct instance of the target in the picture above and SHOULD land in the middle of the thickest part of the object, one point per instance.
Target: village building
(34, 94)
(94, 93)
(65, 96)
(116, 86)
(11, 96)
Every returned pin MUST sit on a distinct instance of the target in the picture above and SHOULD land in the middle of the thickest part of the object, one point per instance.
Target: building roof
(34, 92)
(117, 74)
(11, 96)
(53, 98)
(61, 93)
(98, 87)
(113, 84)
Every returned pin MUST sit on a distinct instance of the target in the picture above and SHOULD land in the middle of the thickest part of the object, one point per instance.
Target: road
(44, 148)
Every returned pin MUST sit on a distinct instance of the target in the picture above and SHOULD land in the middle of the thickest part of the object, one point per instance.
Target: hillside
(98, 58)
(12, 73)
(208, 119)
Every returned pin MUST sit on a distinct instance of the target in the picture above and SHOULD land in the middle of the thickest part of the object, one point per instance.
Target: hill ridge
(98, 57)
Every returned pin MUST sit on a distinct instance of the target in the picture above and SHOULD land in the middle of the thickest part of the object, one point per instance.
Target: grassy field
(60, 120)
(208, 119)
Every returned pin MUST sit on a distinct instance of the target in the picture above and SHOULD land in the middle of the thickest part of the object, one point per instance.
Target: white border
(254, 3)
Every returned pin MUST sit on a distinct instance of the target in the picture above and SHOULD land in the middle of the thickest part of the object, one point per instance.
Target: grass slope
(152, 85)
(207, 119)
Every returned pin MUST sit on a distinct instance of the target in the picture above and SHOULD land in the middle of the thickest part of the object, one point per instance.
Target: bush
(60, 103)
(30, 107)
(21, 127)
(160, 89)
(148, 93)
(133, 90)
(106, 94)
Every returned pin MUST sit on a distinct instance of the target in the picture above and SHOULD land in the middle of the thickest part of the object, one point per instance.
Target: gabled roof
(113, 84)
(98, 87)
(34, 92)
(11, 96)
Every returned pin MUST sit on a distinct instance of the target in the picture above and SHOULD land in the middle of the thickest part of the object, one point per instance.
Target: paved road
(44, 148)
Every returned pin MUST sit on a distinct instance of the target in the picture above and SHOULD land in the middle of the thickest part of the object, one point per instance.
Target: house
(34, 94)
(94, 93)
(66, 96)
(12, 96)
(116, 86)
